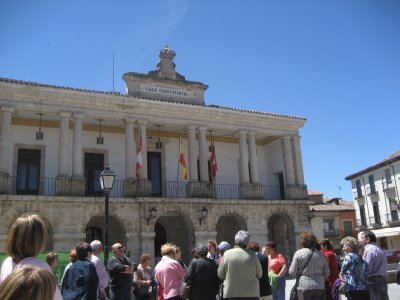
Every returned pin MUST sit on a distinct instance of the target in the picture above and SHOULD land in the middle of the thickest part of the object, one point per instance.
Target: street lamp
(107, 178)
(203, 214)
(311, 214)
(152, 215)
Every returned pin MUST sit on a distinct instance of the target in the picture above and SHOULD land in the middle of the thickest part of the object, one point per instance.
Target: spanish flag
(182, 160)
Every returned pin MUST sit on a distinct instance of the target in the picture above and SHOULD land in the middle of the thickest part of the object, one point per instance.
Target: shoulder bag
(293, 292)
(187, 286)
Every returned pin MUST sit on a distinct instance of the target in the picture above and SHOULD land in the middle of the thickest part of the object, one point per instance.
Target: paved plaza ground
(394, 290)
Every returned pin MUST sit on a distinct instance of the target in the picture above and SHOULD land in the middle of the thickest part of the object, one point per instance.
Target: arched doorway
(174, 228)
(281, 230)
(228, 226)
(95, 230)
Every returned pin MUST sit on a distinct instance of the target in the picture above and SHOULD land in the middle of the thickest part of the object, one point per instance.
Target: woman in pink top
(26, 239)
(169, 273)
(277, 264)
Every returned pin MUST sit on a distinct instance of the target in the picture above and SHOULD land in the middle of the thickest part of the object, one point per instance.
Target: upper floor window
(358, 186)
(371, 184)
(362, 215)
(28, 171)
(388, 176)
(329, 225)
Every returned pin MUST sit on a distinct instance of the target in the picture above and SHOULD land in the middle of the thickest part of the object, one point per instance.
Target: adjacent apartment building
(332, 218)
(186, 171)
(376, 198)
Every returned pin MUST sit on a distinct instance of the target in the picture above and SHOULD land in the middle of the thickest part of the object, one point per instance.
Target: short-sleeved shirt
(275, 264)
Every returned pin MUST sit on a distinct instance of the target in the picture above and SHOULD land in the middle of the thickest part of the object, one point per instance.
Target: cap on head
(223, 246)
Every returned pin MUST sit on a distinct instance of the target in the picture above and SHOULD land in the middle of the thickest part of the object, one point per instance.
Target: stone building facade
(55, 141)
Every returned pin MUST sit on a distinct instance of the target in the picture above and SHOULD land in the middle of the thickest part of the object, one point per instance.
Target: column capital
(64, 114)
(191, 127)
(202, 128)
(129, 121)
(252, 133)
(296, 137)
(78, 115)
(142, 122)
(242, 132)
(8, 109)
(286, 137)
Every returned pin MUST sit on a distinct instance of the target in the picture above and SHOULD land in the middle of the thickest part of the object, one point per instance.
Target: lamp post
(203, 214)
(107, 178)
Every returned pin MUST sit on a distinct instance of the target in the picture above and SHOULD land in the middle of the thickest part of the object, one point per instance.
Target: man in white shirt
(100, 269)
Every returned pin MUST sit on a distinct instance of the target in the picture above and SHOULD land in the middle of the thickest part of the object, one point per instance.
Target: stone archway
(227, 227)
(281, 230)
(95, 230)
(172, 227)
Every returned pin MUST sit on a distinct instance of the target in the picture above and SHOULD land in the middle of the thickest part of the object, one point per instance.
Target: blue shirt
(355, 272)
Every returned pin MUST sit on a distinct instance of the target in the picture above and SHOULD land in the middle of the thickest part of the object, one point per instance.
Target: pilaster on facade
(255, 178)
(6, 116)
(288, 160)
(63, 143)
(192, 153)
(244, 157)
(143, 132)
(130, 153)
(298, 162)
(203, 151)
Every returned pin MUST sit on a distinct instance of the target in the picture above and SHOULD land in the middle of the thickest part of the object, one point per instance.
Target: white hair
(96, 245)
(242, 238)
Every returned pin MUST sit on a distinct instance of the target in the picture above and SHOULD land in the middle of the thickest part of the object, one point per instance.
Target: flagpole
(179, 155)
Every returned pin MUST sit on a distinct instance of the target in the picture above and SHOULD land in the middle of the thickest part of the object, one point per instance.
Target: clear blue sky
(335, 62)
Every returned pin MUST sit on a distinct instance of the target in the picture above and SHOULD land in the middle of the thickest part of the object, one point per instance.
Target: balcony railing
(361, 222)
(388, 185)
(371, 191)
(375, 220)
(331, 233)
(46, 186)
(358, 194)
(393, 217)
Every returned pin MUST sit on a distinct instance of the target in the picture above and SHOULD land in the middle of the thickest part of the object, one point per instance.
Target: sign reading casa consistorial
(165, 83)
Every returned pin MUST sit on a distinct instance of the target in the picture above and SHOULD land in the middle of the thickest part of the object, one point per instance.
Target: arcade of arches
(175, 223)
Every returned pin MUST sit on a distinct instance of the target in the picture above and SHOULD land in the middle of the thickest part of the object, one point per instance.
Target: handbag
(220, 294)
(293, 292)
(185, 290)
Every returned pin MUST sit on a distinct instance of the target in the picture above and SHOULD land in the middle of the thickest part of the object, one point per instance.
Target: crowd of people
(216, 271)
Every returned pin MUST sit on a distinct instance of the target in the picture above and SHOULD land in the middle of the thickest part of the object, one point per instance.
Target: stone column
(203, 149)
(288, 160)
(192, 154)
(298, 160)
(143, 169)
(202, 236)
(147, 241)
(130, 152)
(6, 116)
(255, 178)
(77, 162)
(63, 144)
(244, 157)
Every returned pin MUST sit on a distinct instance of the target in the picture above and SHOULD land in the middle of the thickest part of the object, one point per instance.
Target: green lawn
(63, 260)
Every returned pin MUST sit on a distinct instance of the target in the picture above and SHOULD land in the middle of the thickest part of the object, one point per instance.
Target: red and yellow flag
(182, 160)
(139, 155)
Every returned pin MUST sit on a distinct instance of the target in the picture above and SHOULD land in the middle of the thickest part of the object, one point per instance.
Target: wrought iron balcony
(388, 185)
(393, 217)
(331, 233)
(371, 191)
(375, 220)
(361, 222)
(81, 187)
(358, 194)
